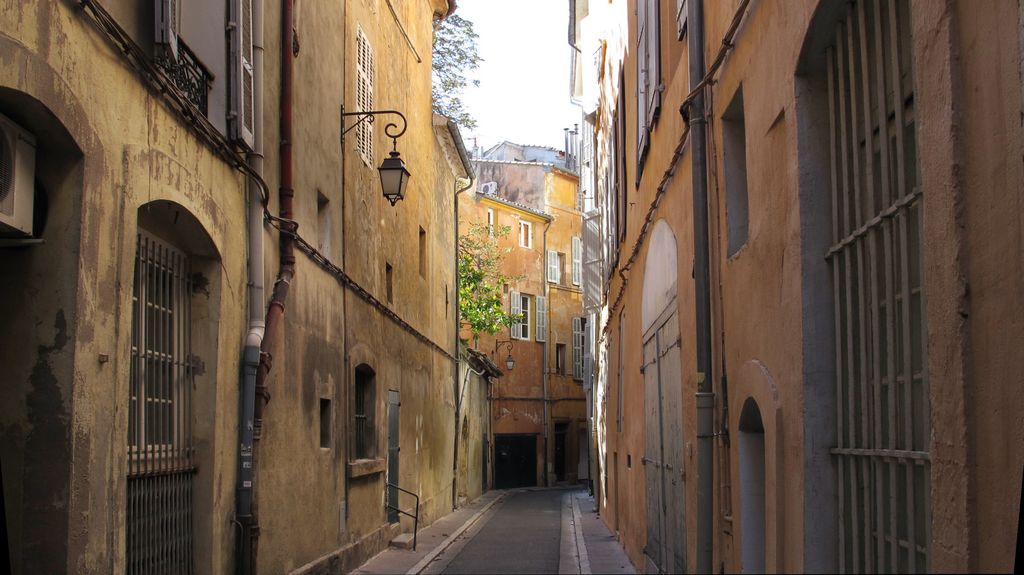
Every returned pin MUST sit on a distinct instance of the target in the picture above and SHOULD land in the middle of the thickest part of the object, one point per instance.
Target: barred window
(161, 463)
(364, 425)
(883, 412)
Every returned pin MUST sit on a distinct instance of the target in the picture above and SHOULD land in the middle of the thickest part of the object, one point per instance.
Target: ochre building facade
(191, 163)
(823, 259)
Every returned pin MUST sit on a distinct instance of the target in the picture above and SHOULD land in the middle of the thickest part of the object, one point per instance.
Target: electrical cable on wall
(157, 80)
(727, 45)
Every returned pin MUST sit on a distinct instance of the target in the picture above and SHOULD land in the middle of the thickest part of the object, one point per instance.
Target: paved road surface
(522, 536)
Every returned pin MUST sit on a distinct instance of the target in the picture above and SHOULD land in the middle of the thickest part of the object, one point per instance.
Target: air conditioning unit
(17, 176)
(489, 188)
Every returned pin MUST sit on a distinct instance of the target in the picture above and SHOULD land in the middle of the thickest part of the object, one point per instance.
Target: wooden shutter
(364, 95)
(620, 181)
(542, 318)
(167, 26)
(592, 261)
(642, 62)
(554, 273)
(577, 260)
(241, 113)
(681, 10)
(516, 309)
(653, 92)
(577, 348)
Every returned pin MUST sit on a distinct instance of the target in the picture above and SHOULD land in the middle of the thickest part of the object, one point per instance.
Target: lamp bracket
(369, 116)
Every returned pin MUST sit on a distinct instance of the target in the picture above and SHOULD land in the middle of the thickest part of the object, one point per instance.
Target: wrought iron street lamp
(394, 176)
(509, 361)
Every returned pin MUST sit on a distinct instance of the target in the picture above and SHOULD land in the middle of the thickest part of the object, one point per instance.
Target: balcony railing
(189, 75)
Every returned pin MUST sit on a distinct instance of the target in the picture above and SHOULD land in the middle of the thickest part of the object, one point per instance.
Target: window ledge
(365, 467)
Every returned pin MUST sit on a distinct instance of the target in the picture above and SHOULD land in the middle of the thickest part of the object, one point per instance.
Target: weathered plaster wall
(767, 299)
(517, 404)
(517, 182)
(329, 330)
(103, 154)
(565, 301)
(993, 182)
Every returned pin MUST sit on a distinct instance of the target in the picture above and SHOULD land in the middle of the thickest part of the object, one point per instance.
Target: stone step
(403, 541)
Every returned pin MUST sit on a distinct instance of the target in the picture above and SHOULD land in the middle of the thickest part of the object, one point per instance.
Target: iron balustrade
(188, 75)
(415, 515)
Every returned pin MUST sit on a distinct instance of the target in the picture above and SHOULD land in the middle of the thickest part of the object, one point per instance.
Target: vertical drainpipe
(544, 354)
(275, 310)
(464, 157)
(702, 279)
(251, 355)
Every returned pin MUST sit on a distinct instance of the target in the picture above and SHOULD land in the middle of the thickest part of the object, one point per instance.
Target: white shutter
(241, 109)
(577, 348)
(542, 318)
(577, 260)
(654, 61)
(593, 278)
(681, 10)
(516, 309)
(167, 26)
(364, 95)
(554, 273)
(642, 62)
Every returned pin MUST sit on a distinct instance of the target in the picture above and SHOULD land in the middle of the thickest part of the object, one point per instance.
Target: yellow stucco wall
(107, 145)
(102, 153)
(764, 305)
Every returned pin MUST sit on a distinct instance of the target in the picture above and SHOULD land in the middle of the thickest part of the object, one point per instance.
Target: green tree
(455, 57)
(481, 282)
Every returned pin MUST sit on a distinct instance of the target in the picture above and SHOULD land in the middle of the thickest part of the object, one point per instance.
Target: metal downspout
(244, 497)
(544, 357)
(455, 334)
(702, 313)
(275, 311)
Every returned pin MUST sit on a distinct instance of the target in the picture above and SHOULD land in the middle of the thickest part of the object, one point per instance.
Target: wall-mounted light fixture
(394, 176)
(509, 361)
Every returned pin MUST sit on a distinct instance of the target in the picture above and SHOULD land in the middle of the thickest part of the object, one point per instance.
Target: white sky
(524, 79)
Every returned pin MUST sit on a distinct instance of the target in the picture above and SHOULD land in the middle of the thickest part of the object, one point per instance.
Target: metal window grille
(882, 415)
(161, 455)
(362, 421)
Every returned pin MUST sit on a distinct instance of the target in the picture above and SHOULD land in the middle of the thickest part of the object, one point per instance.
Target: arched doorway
(663, 407)
(752, 488)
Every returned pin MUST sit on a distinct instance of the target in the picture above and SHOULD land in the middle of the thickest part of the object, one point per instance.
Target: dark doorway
(393, 447)
(5, 551)
(515, 461)
(561, 431)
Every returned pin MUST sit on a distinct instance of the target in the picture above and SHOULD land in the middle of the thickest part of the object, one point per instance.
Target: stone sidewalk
(587, 545)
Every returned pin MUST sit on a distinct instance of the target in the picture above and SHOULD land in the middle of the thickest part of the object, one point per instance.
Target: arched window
(752, 488)
(171, 279)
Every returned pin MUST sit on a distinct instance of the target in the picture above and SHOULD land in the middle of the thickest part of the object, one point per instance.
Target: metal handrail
(415, 516)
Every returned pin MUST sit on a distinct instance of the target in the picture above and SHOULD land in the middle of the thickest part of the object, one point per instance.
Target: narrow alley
(534, 530)
(294, 287)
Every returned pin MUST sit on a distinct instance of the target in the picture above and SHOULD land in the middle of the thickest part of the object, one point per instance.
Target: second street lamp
(509, 361)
